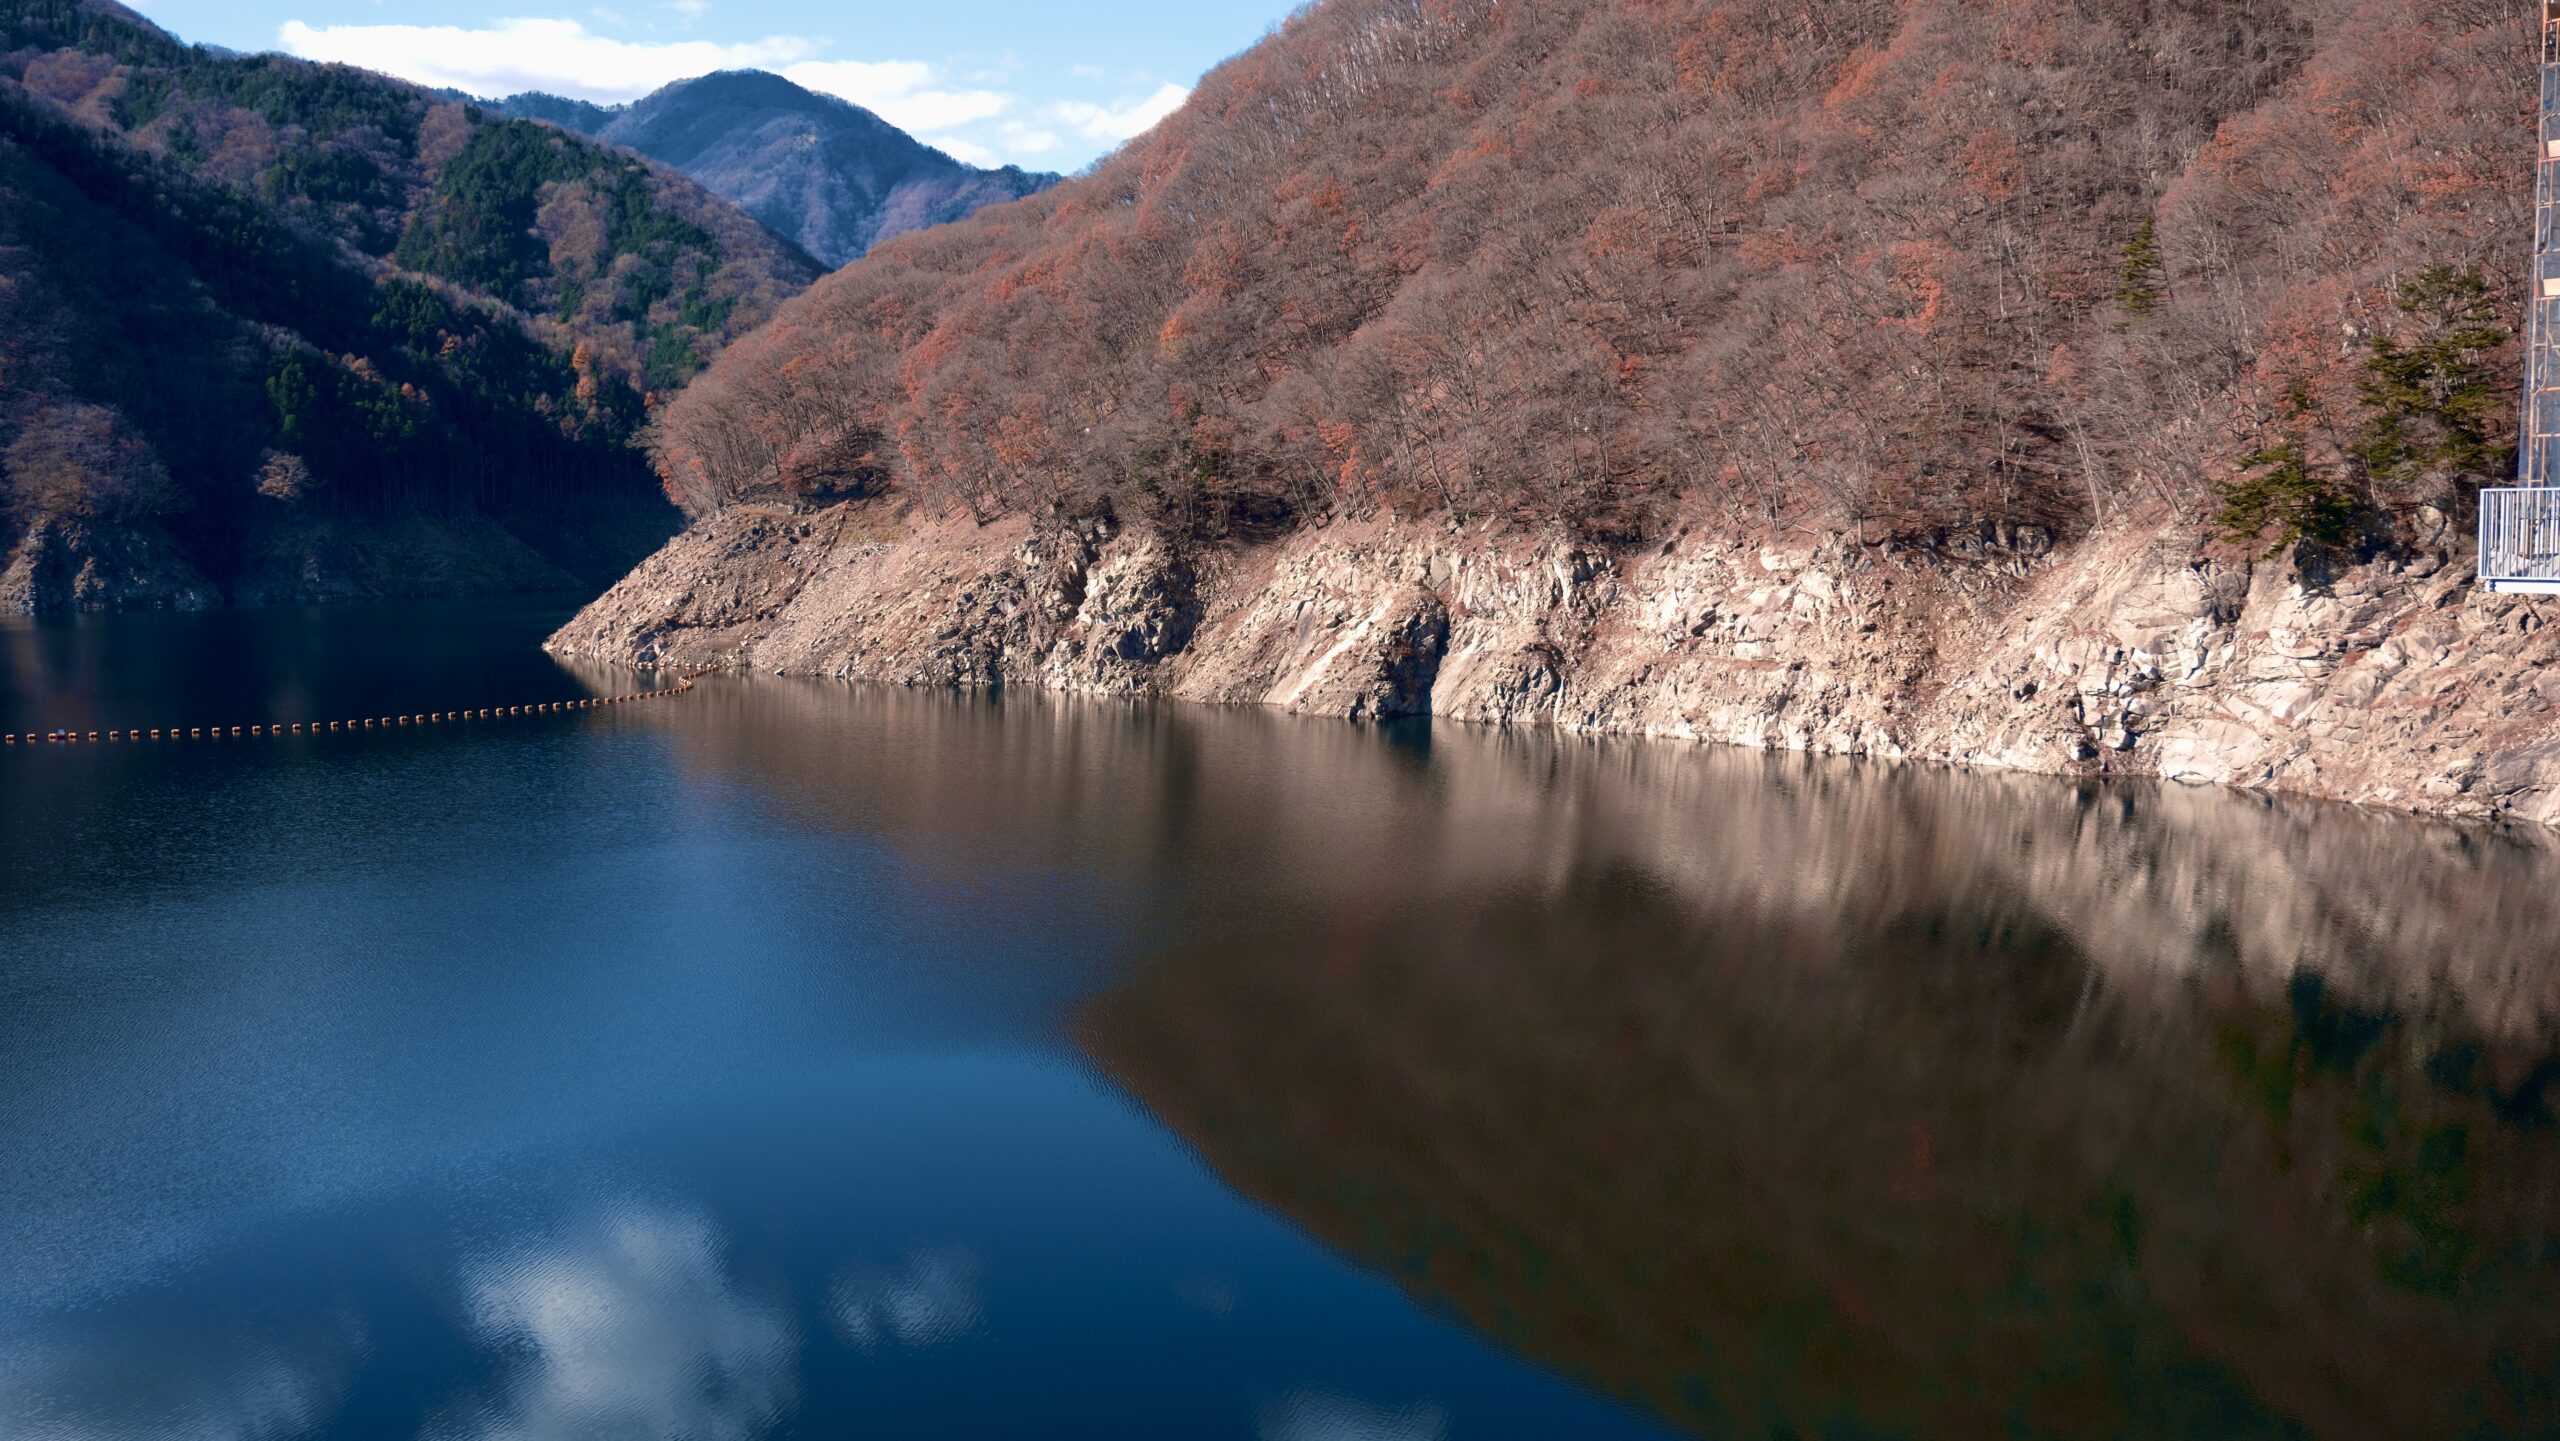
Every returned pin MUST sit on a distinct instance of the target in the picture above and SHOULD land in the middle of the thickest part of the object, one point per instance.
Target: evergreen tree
(2143, 281)
(2432, 400)
(2284, 496)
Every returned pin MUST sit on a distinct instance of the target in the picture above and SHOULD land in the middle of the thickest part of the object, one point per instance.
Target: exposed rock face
(2397, 684)
(63, 565)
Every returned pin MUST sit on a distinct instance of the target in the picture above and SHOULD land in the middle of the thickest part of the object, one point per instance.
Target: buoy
(195, 733)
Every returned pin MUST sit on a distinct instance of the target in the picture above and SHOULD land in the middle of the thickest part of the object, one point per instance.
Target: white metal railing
(2520, 536)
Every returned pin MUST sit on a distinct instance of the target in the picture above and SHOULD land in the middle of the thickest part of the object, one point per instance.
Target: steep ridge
(1871, 379)
(827, 173)
(284, 331)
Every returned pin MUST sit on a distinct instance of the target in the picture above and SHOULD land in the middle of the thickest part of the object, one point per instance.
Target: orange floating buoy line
(275, 730)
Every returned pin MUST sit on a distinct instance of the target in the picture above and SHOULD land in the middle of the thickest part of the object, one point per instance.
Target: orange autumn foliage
(1577, 263)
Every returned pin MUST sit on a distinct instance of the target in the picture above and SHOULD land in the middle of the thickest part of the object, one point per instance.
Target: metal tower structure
(2520, 526)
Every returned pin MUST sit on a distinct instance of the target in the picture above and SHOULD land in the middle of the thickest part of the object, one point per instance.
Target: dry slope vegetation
(1907, 269)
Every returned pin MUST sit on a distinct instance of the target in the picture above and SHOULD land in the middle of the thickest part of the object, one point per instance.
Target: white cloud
(1021, 139)
(901, 92)
(979, 109)
(561, 56)
(1126, 120)
(967, 152)
(999, 71)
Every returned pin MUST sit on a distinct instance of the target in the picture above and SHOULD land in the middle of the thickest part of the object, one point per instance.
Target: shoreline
(2395, 686)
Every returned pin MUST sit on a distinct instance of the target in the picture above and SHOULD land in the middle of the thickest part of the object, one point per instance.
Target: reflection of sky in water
(227, 1382)
(930, 1298)
(764, 1266)
(729, 1069)
(632, 1326)
(1315, 1416)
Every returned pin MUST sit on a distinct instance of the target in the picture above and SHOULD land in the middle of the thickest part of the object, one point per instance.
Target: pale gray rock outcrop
(2396, 684)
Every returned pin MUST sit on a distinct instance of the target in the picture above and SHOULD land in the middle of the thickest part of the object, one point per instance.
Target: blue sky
(1045, 85)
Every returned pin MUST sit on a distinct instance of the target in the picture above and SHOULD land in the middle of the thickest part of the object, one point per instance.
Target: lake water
(798, 1060)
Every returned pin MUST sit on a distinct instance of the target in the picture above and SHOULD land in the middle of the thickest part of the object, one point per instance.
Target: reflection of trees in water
(1928, 1187)
(1782, 1093)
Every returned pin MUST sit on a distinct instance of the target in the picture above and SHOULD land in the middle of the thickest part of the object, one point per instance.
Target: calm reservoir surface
(799, 1060)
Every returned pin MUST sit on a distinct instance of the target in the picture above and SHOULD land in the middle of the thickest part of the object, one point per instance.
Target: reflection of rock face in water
(2151, 886)
(1787, 1094)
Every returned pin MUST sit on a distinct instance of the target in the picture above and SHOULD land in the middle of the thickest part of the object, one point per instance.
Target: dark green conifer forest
(286, 292)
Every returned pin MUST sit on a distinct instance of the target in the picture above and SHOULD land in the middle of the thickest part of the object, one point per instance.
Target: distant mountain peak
(816, 168)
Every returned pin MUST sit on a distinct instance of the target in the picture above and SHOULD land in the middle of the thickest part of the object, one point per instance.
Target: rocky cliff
(2396, 683)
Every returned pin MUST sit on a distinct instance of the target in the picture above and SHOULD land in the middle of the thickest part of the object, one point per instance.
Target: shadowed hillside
(285, 330)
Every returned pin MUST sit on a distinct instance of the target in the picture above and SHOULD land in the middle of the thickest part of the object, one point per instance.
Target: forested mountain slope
(1894, 267)
(2086, 386)
(829, 174)
(294, 330)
